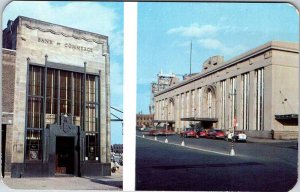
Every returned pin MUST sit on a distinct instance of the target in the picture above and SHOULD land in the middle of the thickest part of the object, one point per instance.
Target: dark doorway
(3, 145)
(65, 147)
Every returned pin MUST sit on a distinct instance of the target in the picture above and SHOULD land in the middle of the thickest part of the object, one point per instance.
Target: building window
(182, 109)
(92, 146)
(92, 104)
(245, 99)
(223, 103)
(35, 115)
(193, 103)
(65, 92)
(91, 116)
(64, 95)
(199, 102)
(51, 96)
(188, 105)
(209, 102)
(259, 99)
(34, 145)
(77, 102)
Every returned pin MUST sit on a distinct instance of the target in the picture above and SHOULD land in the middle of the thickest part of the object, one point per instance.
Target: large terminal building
(55, 100)
(257, 92)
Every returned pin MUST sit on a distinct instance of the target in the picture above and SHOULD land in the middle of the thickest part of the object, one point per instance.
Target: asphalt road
(205, 165)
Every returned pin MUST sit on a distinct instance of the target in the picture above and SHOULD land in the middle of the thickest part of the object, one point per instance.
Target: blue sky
(165, 31)
(102, 18)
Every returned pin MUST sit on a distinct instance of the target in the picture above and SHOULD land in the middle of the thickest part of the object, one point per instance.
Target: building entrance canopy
(287, 119)
(163, 121)
(202, 119)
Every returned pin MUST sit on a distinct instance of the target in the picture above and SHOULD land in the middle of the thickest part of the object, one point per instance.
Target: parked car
(236, 136)
(201, 133)
(155, 132)
(215, 133)
(188, 132)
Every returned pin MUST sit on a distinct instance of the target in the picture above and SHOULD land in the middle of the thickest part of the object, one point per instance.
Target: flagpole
(191, 58)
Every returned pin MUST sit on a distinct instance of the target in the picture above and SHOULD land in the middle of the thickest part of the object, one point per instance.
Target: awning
(163, 121)
(203, 119)
(287, 119)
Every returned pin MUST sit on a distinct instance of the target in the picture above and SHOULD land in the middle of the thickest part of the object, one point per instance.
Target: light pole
(166, 140)
(232, 152)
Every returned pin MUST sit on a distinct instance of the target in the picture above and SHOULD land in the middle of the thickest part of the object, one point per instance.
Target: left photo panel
(62, 95)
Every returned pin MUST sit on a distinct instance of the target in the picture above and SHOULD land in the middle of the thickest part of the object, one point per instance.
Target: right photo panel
(217, 96)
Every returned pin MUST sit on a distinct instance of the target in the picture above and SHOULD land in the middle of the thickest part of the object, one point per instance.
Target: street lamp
(166, 140)
(232, 152)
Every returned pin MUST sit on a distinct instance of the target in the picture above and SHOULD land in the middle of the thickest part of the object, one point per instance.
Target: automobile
(201, 133)
(236, 136)
(188, 132)
(167, 132)
(118, 158)
(215, 134)
(155, 132)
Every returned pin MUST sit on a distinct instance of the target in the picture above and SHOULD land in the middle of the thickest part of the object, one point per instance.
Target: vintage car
(215, 134)
(188, 132)
(236, 136)
(201, 132)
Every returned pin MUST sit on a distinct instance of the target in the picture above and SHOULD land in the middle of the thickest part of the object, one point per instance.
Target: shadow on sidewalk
(118, 184)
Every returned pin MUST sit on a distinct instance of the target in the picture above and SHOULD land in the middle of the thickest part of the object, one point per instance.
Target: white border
(129, 91)
(130, 58)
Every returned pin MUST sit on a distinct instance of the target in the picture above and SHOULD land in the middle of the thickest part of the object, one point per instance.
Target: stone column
(252, 101)
(239, 102)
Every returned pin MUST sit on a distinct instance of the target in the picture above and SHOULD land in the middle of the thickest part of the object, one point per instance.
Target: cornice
(272, 45)
(63, 34)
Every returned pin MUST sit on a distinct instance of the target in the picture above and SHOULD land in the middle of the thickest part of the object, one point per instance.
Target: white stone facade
(39, 42)
(250, 89)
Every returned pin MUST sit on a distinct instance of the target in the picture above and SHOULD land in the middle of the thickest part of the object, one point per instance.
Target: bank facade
(257, 92)
(56, 100)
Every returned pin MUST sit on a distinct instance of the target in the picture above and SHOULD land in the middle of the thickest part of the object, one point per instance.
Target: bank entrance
(64, 156)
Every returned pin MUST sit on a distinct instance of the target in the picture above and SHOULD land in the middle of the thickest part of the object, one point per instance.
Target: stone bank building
(257, 92)
(55, 100)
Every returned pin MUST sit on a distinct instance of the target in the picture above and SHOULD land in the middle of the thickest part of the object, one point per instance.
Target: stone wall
(8, 80)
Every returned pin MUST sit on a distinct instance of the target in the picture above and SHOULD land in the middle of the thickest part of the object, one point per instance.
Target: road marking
(190, 147)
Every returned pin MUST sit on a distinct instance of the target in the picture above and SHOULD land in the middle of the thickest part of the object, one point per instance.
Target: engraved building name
(65, 45)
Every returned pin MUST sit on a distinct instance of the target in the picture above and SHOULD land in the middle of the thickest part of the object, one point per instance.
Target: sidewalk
(264, 140)
(110, 183)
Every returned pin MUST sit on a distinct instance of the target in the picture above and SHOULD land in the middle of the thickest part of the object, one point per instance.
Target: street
(205, 164)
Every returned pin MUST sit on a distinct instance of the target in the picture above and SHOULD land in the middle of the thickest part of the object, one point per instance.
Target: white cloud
(211, 43)
(194, 30)
(208, 36)
(218, 45)
(88, 16)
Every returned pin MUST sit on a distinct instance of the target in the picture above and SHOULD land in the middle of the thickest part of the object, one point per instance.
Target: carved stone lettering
(66, 45)
(46, 41)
